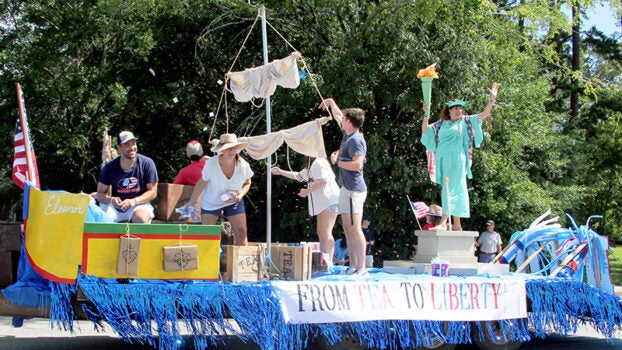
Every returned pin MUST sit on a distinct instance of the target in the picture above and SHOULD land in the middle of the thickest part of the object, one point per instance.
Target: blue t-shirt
(340, 253)
(351, 146)
(132, 183)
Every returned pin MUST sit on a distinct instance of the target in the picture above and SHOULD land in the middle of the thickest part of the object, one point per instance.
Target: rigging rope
(223, 98)
(224, 91)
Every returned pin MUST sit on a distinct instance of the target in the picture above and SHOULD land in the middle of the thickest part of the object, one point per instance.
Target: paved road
(37, 334)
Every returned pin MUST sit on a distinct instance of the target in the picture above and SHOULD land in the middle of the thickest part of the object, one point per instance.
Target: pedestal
(452, 246)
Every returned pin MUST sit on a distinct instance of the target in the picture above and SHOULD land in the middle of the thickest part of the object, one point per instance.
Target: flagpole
(264, 39)
(446, 179)
(414, 212)
(22, 118)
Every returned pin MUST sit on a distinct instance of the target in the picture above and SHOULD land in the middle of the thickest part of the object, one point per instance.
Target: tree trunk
(576, 61)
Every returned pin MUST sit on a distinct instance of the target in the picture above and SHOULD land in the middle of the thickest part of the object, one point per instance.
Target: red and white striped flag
(22, 170)
(431, 165)
(419, 208)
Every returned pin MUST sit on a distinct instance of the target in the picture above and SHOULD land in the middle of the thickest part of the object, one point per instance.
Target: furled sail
(305, 138)
(262, 81)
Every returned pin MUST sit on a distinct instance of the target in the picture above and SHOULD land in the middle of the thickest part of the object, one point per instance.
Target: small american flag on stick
(420, 209)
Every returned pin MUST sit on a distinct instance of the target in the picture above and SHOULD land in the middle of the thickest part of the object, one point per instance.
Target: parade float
(155, 283)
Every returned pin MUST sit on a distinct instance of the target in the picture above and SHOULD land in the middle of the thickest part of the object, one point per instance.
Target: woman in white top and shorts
(322, 192)
(225, 180)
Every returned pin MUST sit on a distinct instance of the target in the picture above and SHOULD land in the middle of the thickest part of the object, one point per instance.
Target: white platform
(456, 247)
(408, 267)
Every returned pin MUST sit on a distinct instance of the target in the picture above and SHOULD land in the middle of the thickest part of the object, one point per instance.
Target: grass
(615, 265)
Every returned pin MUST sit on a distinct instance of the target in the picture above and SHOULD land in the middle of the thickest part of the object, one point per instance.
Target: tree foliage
(157, 68)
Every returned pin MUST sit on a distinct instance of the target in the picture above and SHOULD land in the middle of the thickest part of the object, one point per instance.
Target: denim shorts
(230, 210)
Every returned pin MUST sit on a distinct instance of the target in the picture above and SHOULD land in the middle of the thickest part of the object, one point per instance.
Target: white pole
(446, 179)
(264, 39)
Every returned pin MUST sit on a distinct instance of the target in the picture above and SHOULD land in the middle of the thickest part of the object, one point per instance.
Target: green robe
(454, 148)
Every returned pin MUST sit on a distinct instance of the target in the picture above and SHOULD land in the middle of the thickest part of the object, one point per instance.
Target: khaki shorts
(351, 202)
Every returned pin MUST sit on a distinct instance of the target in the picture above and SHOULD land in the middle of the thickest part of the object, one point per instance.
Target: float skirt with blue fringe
(155, 313)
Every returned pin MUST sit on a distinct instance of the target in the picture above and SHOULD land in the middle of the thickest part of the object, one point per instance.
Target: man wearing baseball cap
(191, 173)
(128, 183)
(489, 242)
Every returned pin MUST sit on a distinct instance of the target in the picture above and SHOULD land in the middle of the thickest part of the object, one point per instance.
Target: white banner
(431, 299)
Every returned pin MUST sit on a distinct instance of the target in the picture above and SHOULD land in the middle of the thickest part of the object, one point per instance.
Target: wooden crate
(291, 263)
(171, 196)
(241, 263)
(8, 268)
(10, 237)
(317, 264)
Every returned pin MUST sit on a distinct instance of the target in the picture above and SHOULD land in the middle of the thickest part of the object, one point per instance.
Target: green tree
(155, 67)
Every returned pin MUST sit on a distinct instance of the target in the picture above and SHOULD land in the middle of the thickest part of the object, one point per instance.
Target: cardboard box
(181, 257)
(171, 196)
(241, 263)
(100, 247)
(291, 263)
(129, 255)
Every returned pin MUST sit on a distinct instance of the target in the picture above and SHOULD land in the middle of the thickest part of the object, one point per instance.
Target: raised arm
(294, 175)
(334, 109)
(424, 124)
(491, 102)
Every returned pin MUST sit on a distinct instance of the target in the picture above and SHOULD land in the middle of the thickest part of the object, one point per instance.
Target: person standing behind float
(350, 159)
(133, 179)
(433, 217)
(341, 252)
(322, 192)
(489, 242)
(370, 239)
(191, 173)
(452, 138)
(225, 180)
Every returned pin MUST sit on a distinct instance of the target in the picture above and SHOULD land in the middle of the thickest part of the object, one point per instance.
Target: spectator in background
(433, 217)
(341, 252)
(489, 242)
(132, 181)
(370, 237)
(191, 173)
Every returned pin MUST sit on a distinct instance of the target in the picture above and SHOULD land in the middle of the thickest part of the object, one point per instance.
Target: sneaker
(348, 271)
(360, 274)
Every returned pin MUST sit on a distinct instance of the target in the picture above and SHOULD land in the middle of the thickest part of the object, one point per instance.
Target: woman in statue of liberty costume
(452, 138)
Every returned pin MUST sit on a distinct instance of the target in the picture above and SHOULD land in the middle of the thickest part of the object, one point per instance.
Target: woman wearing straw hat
(452, 138)
(225, 180)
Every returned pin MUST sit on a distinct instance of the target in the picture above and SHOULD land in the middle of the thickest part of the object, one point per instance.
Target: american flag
(431, 165)
(20, 163)
(419, 208)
